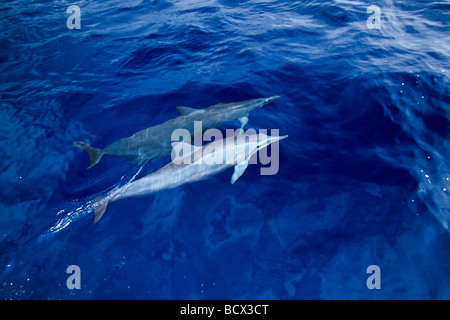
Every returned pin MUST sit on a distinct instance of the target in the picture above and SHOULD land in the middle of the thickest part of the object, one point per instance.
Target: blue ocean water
(363, 177)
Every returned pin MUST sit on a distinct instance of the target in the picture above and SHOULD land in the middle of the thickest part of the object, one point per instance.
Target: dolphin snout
(267, 100)
(273, 139)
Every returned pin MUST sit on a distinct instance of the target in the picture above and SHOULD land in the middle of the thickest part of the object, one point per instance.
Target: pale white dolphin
(191, 163)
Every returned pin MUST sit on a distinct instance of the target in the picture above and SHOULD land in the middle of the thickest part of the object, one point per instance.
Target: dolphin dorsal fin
(183, 111)
(239, 170)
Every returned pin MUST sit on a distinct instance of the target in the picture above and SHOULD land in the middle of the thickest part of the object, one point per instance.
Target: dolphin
(193, 163)
(154, 142)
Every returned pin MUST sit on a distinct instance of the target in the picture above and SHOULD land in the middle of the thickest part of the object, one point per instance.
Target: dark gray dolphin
(155, 142)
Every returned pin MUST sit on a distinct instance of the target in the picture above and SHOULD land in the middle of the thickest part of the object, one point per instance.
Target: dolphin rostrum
(191, 163)
(154, 142)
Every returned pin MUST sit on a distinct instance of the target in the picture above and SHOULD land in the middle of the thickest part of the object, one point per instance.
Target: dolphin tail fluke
(100, 203)
(94, 154)
(100, 210)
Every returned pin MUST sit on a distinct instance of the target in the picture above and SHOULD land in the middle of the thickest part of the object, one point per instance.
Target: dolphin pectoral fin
(239, 170)
(99, 211)
(243, 121)
(139, 160)
(134, 161)
(94, 154)
(183, 111)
